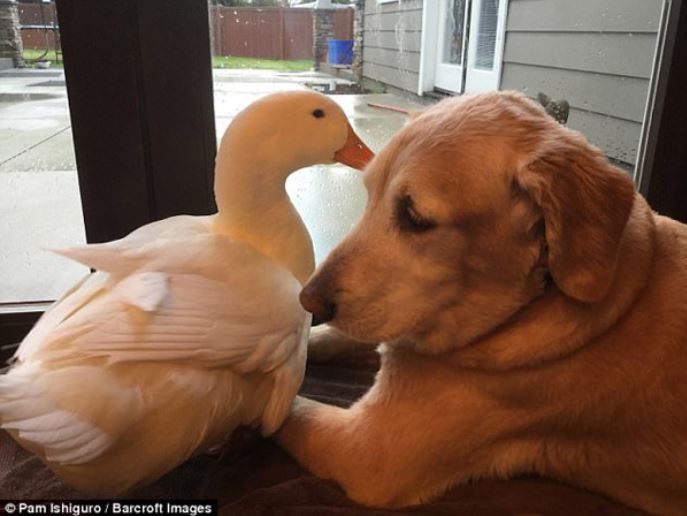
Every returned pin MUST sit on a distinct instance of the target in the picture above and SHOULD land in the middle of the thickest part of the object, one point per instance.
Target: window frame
(662, 162)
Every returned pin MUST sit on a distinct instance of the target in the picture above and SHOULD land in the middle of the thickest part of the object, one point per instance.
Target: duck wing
(207, 301)
(90, 287)
(153, 316)
(114, 259)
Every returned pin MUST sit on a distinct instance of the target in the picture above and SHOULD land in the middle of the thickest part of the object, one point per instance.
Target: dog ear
(586, 203)
(543, 99)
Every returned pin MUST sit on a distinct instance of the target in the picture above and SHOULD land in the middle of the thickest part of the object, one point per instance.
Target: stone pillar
(322, 31)
(11, 47)
(358, 27)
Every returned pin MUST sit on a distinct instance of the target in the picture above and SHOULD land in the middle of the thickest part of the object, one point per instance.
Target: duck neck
(253, 207)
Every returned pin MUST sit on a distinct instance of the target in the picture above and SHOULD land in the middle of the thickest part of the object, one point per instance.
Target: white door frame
(449, 76)
(428, 46)
(430, 39)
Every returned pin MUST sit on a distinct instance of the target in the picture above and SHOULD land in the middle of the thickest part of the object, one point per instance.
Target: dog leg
(326, 343)
(359, 449)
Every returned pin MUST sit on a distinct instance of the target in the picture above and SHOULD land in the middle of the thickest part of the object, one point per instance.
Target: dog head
(472, 208)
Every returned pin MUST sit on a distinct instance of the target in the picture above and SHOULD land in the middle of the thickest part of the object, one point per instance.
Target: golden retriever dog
(533, 310)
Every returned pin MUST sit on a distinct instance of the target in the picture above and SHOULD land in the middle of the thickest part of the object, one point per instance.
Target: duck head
(286, 131)
(267, 141)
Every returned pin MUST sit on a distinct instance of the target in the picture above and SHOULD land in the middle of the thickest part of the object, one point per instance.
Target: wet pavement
(39, 198)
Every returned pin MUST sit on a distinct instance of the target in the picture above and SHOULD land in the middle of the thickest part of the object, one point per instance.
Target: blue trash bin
(340, 51)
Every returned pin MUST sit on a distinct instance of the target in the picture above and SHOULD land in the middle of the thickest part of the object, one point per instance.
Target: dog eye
(410, 220)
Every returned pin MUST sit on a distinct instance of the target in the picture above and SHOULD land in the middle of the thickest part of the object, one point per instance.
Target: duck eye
(410, 220)
(318, 113)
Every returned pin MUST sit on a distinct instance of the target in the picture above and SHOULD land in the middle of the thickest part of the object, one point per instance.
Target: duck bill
(354, 153)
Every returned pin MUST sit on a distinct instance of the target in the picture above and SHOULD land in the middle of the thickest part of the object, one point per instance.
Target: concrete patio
(40, 206)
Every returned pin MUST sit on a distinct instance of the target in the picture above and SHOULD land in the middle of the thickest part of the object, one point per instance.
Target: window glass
(591, 61)
(486, 35)
(40, 206)
(263, 47)
(454, 33)
(588, 62)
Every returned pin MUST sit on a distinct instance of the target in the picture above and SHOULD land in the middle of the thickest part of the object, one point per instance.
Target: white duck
(192, 325)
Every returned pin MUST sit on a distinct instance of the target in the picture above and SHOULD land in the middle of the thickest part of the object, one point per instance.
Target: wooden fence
(39, 26)
(267, 33)
(270, 33)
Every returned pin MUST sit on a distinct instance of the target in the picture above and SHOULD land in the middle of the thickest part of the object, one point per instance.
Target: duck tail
(106, 257)
(28, 411)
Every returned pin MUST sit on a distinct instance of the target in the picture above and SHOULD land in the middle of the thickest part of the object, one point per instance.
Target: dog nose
(314, 302)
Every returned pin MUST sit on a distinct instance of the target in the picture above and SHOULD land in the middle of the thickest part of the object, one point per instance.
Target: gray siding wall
(391, 42)
(597, 54)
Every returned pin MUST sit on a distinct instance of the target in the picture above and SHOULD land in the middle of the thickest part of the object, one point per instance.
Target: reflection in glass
(486, 36)
(454, 33)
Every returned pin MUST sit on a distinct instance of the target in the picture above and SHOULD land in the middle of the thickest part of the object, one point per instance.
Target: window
(40, 207)
(140, 91)
(141, 118)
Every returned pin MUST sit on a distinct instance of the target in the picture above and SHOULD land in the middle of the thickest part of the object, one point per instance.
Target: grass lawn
(31, 54)
(227, 62)
(263, 64)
